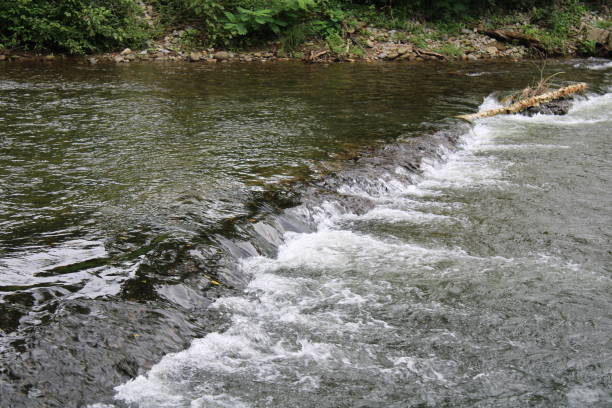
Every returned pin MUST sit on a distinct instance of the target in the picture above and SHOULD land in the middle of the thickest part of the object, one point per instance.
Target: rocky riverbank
(370, 44)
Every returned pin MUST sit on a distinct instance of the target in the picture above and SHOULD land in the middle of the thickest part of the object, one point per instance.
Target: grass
(450, 50)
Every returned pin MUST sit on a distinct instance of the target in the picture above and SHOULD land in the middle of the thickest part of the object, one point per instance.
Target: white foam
(393, 215)
(601, 67)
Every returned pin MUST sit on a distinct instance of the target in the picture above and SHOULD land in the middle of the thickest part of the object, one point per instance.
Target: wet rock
(370, 43)
(195, 56)
(491, 50)
(222, 55)
(558, 107)
(117, 59)
(126, 51)
(92, 61)
(472, 57)
(2, 57)
(130, 57)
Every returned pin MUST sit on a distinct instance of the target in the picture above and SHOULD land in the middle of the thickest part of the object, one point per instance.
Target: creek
(312, 236)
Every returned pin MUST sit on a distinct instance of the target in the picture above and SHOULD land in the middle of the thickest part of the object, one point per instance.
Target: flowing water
(309, 236)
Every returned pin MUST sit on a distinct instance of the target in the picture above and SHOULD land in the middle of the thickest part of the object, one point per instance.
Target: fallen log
(510, 36)
(527, 103)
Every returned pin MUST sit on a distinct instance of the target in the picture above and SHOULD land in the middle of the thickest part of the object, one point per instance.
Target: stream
(252, 235)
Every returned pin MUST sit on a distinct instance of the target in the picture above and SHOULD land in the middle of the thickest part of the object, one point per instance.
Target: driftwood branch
(527, 103)
(421, 52)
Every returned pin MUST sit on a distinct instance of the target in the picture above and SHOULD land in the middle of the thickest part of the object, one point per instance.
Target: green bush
(74, 26)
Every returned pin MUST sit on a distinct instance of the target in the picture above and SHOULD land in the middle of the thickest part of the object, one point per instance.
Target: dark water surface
(145, 206)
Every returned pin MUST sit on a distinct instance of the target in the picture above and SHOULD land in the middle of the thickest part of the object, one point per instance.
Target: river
(312, 236)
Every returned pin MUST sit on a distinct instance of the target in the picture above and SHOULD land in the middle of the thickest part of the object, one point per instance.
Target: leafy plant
(280, 14)
(336, 43)
(191, 39)
(74, 26)
(587, 47)
(295, 36)
(209, 13)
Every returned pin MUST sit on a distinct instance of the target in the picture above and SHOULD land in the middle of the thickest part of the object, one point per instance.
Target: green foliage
(451, 28)
(450, 50)
(295, 35)
(357, 51)
(559, 18)
(419, 40)
(336, 43)
(191, 39)
(605, 24)
(82, 26)
(555, 24)
(75, 26)
(209, 16)
(587, 47)
(277, 15)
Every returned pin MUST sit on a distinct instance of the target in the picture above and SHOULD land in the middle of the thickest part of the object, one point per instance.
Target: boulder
(126, 51)
(195, 56)
(404, 49)
(598, 35)
(221, 55)
(392, 55)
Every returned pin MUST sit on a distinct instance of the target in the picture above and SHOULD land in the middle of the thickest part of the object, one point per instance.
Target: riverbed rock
(118, 59)
(195, 56)
(126, 51)
(2, 57)
(222, 55)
